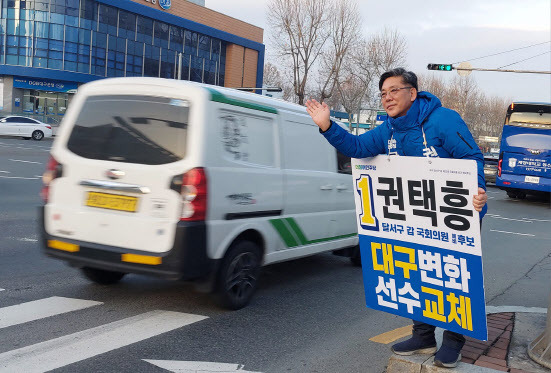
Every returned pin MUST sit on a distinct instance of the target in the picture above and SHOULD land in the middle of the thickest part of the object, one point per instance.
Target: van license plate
(112, 201)
(532, 179)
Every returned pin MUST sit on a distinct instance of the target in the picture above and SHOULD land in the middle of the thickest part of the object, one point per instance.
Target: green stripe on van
(284, 233)
(298, 232)
(289, 231)
(219, 97)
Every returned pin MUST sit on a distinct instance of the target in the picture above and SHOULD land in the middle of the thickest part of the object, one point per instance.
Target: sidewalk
(509, 334)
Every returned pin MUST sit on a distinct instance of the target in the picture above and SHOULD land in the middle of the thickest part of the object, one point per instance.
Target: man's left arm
(459, 142)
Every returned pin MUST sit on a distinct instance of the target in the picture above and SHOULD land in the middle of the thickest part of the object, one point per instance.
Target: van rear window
(132, 129)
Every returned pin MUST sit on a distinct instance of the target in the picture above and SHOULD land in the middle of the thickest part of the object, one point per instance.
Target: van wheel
(238, 276)
(103, 277)
(38, 135)
(355, 257)
(511, 194)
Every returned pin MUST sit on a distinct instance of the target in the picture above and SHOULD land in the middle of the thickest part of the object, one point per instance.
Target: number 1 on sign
(364, 188)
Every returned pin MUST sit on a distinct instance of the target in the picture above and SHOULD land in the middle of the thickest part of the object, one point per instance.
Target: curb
(494, 355)
(424, 364)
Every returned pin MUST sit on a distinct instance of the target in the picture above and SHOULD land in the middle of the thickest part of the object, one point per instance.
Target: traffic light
(439, 66)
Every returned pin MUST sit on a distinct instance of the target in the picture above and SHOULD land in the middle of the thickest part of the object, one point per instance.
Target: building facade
(48, 48)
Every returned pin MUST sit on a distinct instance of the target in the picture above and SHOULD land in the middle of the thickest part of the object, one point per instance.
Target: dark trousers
(425, 332)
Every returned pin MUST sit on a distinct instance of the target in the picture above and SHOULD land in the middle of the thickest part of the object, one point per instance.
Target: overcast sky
(440, 31)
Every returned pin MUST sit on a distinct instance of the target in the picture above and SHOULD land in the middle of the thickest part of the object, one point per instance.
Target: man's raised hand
(319, 113)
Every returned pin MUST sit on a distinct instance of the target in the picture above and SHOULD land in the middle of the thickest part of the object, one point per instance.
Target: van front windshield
(133, 129)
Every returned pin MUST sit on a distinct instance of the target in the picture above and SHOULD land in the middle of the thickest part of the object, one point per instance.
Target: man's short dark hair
(408, 77)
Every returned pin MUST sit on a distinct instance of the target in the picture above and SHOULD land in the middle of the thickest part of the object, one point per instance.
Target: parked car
(15, 125)
(490, 167)
(195, 182)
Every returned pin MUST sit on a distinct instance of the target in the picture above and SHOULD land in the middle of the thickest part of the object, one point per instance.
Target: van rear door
(118, 163)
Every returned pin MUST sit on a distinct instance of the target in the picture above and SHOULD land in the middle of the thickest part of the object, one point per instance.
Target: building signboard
(44, 84)
(165, 4)
(420, 240)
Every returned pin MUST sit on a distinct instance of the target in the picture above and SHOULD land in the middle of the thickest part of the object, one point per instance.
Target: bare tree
(344, 35)
(432, 83)
(299, 31)
(369, 59)
(388, 50)
(274, 78)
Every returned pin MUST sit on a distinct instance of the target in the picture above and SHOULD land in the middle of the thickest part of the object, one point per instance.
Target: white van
(190, 181)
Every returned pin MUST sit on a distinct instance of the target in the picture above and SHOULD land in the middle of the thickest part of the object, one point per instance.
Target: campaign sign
(420, 240)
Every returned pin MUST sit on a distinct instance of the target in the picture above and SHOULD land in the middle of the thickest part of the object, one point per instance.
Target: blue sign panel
(44, 84)
(382, 117)
(165, 4)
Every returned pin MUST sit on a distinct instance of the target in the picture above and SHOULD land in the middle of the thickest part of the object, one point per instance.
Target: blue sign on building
(44, 84)
(165, 4)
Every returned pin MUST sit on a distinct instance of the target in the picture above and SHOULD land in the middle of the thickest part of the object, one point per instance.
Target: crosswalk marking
(59, 352)
(198, 366)
(39, 309)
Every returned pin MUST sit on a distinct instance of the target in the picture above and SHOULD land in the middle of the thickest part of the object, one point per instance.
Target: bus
(524, 165)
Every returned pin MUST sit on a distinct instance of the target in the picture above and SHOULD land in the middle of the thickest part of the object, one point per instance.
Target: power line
(512, 50)
(526, 59)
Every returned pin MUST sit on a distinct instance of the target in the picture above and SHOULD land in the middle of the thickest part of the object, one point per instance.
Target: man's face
(397, 100)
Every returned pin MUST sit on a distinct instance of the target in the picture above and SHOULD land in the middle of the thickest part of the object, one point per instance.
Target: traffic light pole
(465, 68)
(503, 71)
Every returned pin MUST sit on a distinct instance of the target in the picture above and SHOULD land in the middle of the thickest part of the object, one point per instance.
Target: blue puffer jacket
(446, 133)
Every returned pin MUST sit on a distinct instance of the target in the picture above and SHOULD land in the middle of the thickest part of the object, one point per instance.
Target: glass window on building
(51, 105)
(196, 69)
(176, 39)
(160, 35)
(144, 30)
(127, 25)
(168, 64)
(151, 61)
(204, 46)
(134, 58)
(108, 19)
(88, 14)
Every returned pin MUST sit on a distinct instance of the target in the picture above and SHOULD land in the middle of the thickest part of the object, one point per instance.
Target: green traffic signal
(440, 66)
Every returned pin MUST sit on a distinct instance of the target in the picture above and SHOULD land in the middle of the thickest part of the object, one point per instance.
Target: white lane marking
(19, 177)
(39, 176)
(198, 366)
(25, 239)
(493, 215)
(491, 197)
(69, 349)
(499, 309)
(39, 309)
(503, 218)
(520, 234)
(2, 289)
(538, 220)
(5, 172)
(19, 160)
(491, 191)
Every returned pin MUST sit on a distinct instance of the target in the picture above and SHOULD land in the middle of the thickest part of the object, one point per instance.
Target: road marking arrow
(198, 366)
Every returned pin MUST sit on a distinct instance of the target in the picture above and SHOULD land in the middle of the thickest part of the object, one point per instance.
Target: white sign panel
(420, 240)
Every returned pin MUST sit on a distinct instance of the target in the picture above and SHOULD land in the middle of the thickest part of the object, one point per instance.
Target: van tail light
(53, 170)
(192, 186)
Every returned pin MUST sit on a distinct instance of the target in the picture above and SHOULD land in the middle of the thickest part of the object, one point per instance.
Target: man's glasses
(392, 92)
